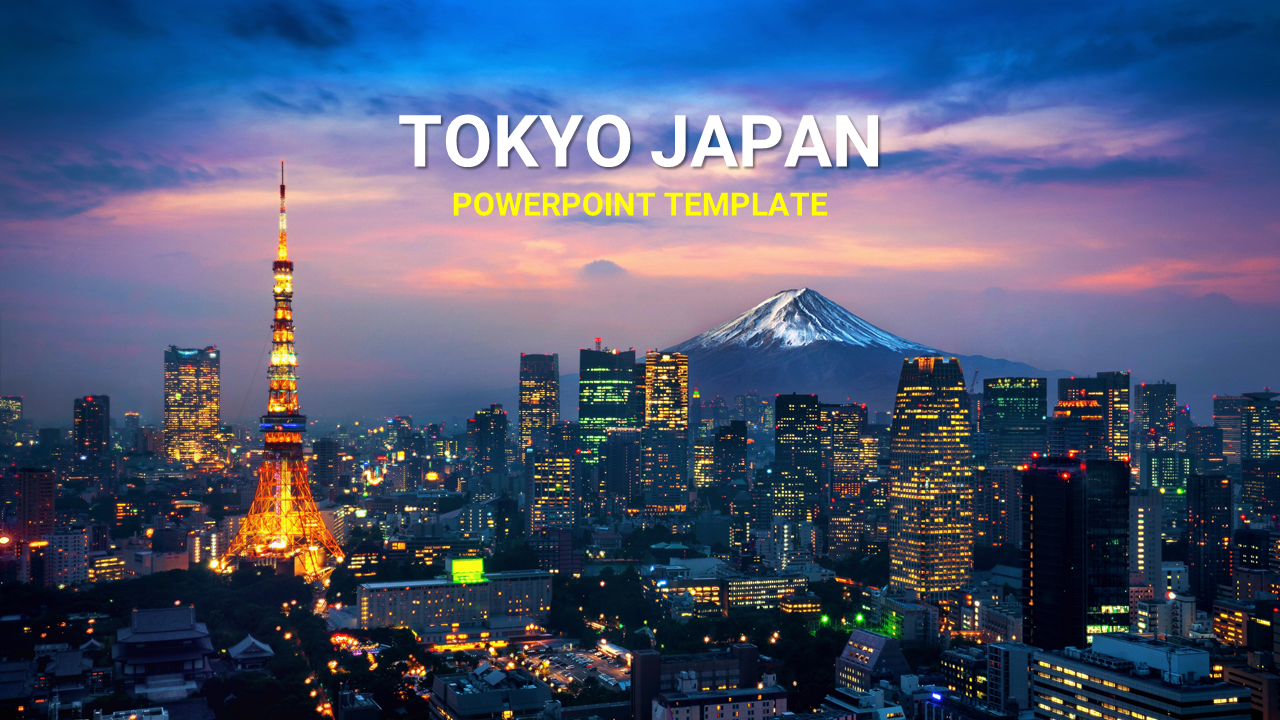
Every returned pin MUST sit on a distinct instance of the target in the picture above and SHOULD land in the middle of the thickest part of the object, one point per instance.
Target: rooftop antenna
(597, 344)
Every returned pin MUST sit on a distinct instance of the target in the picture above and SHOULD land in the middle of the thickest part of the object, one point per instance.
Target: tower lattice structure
(283, 523)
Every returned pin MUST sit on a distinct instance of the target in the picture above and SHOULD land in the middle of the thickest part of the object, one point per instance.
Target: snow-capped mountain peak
(796, 318)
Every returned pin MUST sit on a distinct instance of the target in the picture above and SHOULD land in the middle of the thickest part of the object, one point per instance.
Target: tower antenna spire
(282, 252)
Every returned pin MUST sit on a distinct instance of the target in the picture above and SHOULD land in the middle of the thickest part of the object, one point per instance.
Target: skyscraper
(1205, 446)
(283, 524)
(92, 426)
(539, 397)
(842, 428)
(1155, 416)
(730, 453)
(326, 462)
(1167, 471)
(1146, 544)
(191, 404)
(37, 490)
(931, 492)
(1226, 416)
(1078, 429)
(10, 415)
(798, 453)
(1208, 536)
(1075, 549)
(1111, 391)
(620, 460)
(549, 496)
(666, 432)
(606, 389)
(1259, 443)
(1015, 418)
(488, 432)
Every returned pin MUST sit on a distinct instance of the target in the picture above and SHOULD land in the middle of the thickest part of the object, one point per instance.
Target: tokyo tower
(283, 524)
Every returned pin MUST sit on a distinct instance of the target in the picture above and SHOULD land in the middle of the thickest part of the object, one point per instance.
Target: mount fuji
(799, 341)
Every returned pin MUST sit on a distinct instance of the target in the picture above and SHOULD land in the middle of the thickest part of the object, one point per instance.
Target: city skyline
(1098, 199)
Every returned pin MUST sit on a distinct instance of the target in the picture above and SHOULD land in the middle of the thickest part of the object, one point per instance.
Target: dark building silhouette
(1015, 418)
(620, 465)
(1205, 446)
(1111, 391)
(730, 452)
(797, 450)
(487, 431)
(326, 462)
(1075, 548)
(1226, 417)
(1208, 536)
(539, 407)
(1155, 416)
(37, 490)
(1078, 429)
(92, 423)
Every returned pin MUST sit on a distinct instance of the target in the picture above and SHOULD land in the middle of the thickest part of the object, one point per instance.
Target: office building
(842, 428)
(1263, 682)
(539, 398)
(621, 465)
(37, 491)
(1204, 447)
(66, 557)
(1146, 543)
(931, 480)
(798, 454)
(1126, 676)
(869, 657)
(1015, 419)
(1226, 417)
(326, 462)
(1078, 429)
(1208, 534)
(653, 673)
(1010, 677)
(92, 426)
(729, 453)
(997, 511)
(686, 702)
(1259, 443)
(1075, 549)
(1111, 391)
(487, 431)
(665, 440)
(467, 598)
(488, 692)
(192, 409)
(549, 490)
(1167, 471)
(1155, 416)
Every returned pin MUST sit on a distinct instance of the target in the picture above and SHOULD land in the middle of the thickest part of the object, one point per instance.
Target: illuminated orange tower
(283, 523)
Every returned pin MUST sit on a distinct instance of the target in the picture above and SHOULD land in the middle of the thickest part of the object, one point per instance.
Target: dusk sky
(1091, 186)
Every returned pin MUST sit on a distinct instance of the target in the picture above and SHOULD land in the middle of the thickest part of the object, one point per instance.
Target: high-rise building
(549, 490)
(37, 490)
(1155, 416)
(326, 462)
(1259, 442)
(1075, 549)
(487, 431)
(92, 426)
(1015, 418)
(798, 454)
(10, 416)
(191, 404)
(283, 525)
(997, 506)
(1166, 471)
(1111, 391)
(539, 398)
(1146, 543)
(842, 428)
(1226, 417)
(665, 438)
(620, 465)
(1208, 536)
(1205, 446)
(1078, 429)
(931, 491)
(730, 453)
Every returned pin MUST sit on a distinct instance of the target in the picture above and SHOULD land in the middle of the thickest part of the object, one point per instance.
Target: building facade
(192, 404)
